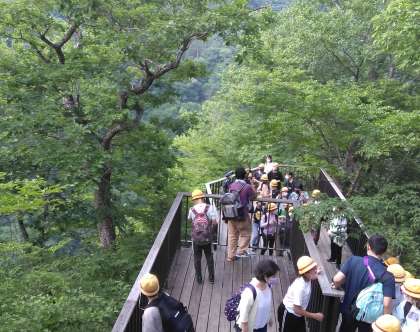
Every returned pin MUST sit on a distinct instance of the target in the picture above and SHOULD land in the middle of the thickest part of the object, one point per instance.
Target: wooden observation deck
(170, 258)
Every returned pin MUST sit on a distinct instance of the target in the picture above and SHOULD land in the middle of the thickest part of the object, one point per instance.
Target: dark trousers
(268, 242)
(198, 251)
(316, 232)
(349, 324)
(292, 323)
(336, 252)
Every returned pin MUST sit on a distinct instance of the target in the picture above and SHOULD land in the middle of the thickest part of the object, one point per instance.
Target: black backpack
(232, 207)
(175, 317)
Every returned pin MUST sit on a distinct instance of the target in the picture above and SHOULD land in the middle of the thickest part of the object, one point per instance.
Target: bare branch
(163, 69)
(58, 46)
(120, 127)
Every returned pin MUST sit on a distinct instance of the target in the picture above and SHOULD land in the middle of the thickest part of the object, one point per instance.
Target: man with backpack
(369, 287)
(204, 218)
(163, 313)
(239, 228)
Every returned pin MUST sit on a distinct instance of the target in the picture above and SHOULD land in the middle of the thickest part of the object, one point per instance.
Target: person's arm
(244, 308)
(338, 280)
(264, 221)
(244, 327)
(319, 316)
(151, 320)
(387, 305)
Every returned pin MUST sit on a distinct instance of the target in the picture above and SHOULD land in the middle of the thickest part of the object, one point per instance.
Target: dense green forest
(109, 108)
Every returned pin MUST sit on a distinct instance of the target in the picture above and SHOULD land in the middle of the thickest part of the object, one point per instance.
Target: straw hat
(386, 323)
(275, 165)
(272, 207)
(398, 271)
(411, 287)
(264, 177)
(305, 264)
(391, 260)
(149, 284)
(261, 166)
(284, 189)
(274, 183)
(315, 193)
(197, 194)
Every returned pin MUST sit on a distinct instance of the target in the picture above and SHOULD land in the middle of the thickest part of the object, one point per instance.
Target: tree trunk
(106, 227)
(22, 229)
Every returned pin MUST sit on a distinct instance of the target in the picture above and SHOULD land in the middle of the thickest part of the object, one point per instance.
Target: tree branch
(151, 76)
(57, 47)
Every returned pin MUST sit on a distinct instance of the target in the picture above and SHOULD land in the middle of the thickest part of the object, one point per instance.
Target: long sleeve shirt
(269, 223)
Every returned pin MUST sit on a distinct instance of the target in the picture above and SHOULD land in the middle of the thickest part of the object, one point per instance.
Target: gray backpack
(232, 207)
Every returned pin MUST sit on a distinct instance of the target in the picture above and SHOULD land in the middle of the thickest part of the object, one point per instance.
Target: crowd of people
(397, 291)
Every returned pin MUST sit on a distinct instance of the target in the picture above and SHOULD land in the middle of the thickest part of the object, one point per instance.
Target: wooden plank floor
(206, 302)
(324, 251)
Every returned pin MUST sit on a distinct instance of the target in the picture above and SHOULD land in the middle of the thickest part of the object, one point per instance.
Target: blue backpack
(369, 303)
(231, 306)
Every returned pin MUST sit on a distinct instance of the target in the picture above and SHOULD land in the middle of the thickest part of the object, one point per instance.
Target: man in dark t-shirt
(239, 231)
(354, 276)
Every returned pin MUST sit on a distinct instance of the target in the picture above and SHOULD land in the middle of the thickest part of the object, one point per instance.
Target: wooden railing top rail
(343, 198)
(133, 298)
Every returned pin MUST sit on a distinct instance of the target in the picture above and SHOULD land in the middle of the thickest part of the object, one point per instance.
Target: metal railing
(175, 230)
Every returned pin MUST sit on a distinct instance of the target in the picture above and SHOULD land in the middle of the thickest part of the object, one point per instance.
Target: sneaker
(251, 252)
(244, 255)
(232, 259)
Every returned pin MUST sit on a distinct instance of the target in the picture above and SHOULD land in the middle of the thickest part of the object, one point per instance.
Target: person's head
(316, 193)
(386, 323)
(268, 158)
(284, 191)
(240, 173)
(266, 269)
(275, 166)
(264, 178)
(391, 260)
(291, 175)
(411, 288)
(272, 207)
(398, 272)
(377, 245)
(197, 196)
(274, 184)
(261, 166)
(258, 204)
(307, 268)
(149, 285)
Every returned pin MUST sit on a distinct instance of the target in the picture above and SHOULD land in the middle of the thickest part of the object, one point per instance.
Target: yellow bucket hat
(264, 177)
(305, 264)
(149, 284)
(315, 193)
(274, 183)
(391, 260)
(386, 323)
(197, 194)
(398, 271)
(411, 287)
(272, 207)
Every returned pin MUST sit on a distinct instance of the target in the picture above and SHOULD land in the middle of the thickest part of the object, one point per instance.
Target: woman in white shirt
(297, 298)
(254, 315)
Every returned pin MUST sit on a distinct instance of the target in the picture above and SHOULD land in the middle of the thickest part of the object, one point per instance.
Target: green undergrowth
(43, 291)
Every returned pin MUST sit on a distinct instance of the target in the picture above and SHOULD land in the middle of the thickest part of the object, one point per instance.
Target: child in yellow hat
(297, 298)
(408, 311)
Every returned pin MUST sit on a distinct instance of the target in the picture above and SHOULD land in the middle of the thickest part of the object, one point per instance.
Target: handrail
(134, 296)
